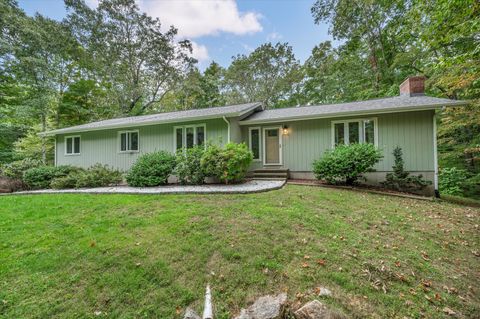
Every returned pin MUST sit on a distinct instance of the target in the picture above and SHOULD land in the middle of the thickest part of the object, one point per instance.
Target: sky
(220, 29)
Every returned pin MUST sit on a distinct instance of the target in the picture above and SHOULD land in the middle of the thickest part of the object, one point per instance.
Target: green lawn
(132, 256)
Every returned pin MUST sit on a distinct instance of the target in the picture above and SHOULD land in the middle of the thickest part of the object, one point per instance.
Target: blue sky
(221, 29)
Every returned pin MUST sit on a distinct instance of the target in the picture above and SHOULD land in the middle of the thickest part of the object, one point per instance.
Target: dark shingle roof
(384, 105)
(170, 117)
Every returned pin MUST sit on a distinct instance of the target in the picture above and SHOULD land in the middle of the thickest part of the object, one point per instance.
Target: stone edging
(245, 188)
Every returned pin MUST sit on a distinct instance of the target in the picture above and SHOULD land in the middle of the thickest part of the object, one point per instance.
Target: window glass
(179, 134)
(190, 137)
(134, 141)
(76, 145)
(272, 133)
(200, 135)
(353, 132)
(255, 143)
(369, 131)
(339, 133)
(123, 141)
(69, 142)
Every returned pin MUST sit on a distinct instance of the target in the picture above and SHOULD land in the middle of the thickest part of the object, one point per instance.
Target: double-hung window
(129, 141)
(72, 145)
(355, 131)
(254, 142)
(189, 135)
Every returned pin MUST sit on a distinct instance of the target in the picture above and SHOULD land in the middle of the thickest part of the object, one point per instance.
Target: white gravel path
(252, 186)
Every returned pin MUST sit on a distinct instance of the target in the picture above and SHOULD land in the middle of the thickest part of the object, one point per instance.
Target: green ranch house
(284, 140)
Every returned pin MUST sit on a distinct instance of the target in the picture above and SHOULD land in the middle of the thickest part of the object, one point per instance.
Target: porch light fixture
(285, 130)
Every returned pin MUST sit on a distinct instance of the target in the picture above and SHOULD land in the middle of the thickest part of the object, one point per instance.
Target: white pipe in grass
(207, 311)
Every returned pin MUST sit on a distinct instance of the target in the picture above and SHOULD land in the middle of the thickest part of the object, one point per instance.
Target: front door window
(272, 146)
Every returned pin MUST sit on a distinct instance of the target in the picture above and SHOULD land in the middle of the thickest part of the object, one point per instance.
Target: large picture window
(254, 142)
(354, 131)
(129, 141)
(72, 145)
(189, 135)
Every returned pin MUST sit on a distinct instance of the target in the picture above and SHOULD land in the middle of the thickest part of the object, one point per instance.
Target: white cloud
(92, 3)
(195, 18)
(200, 52)
(274, 36)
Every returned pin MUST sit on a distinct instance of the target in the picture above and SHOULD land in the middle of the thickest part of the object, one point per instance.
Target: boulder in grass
(266, 307)
(191, 314)
(316, 310)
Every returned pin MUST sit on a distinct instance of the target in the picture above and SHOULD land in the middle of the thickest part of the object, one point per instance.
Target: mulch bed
(360, 188)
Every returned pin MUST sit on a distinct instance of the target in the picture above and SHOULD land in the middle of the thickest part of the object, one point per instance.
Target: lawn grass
(132, 256)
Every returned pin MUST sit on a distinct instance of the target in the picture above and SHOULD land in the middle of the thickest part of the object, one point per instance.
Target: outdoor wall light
(285, 130)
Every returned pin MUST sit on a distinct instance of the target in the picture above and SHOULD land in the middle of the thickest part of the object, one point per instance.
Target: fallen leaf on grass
(306, 257)
(449, 311)
(305, 265)
(178, 310)
(321, 262)
(425, 256)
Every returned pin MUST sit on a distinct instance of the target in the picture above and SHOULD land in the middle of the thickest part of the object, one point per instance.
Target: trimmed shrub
(97, 175)
(65, 182)
(188, 168)
(151, 169)
(15, 170)
(400, 179)
(41, 177)
(229, 164)
(346, 163)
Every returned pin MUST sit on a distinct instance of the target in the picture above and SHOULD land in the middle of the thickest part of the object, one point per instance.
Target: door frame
(280, 140)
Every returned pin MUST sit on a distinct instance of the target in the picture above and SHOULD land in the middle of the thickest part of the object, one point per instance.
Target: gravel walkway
(252, 186)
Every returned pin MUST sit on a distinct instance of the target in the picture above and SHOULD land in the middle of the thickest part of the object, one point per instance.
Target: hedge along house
(280, 139)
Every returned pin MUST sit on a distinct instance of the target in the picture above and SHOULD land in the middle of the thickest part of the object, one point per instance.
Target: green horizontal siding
(103, 146)
(308, 140)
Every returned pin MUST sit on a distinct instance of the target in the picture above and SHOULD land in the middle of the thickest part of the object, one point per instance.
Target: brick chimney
(413, 86)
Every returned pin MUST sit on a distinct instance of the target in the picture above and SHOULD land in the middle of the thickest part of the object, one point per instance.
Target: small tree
(347, 163)
(400, 179)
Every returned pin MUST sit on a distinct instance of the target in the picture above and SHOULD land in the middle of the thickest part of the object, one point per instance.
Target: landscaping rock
(324, 292)
(266, 307)
(313, 310)
(191, 314)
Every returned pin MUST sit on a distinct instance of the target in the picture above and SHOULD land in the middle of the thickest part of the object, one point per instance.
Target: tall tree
(130, 51)
(269, 74)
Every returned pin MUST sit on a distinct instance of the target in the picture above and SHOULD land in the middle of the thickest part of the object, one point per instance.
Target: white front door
(272, 145)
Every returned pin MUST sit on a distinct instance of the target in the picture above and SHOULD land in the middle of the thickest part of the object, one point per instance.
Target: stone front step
(271, 173)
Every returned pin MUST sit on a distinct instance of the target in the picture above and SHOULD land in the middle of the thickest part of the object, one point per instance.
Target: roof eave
(353, 113)
(118, 126)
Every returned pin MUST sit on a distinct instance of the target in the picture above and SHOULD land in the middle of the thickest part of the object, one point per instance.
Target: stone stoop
(271, 173)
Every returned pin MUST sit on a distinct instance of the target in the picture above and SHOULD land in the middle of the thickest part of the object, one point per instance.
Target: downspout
(228, 127)
(435, 156)
(55, 152)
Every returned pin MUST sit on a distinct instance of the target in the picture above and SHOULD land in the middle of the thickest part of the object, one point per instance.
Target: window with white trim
(354, 131)
(254, 142)
(188, 136)
(129, 141)
(72, 145)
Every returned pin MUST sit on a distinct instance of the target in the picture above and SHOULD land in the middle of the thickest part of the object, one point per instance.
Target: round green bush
(41, 177)
(229, 164)
(16, 169)
(346, 163)
(151, 169)
(188, 166)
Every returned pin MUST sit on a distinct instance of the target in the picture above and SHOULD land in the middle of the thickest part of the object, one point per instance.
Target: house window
(129, 141)
(354, 131)
(72, 145)
(189, 136)
(254, 142)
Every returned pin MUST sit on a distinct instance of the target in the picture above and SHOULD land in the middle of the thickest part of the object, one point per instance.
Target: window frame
(119, 143)
(250, 129)
(361, 127)
(73, 145)
(184, 135)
